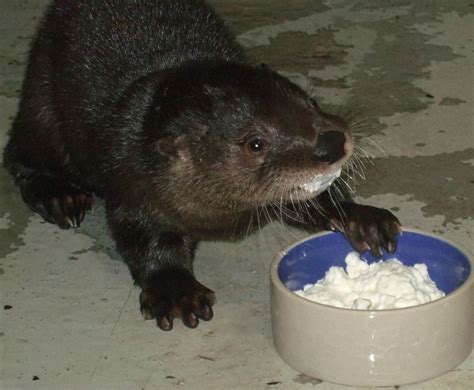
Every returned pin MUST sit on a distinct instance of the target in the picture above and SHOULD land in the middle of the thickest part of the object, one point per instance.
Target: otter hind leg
(56, 200)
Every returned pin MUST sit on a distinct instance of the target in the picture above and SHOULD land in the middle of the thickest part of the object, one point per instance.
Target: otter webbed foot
(56, 200)
(368, 228)
(175, 293)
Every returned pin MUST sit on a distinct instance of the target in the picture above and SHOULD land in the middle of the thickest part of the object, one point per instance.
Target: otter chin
(320, 182)
(153, 107)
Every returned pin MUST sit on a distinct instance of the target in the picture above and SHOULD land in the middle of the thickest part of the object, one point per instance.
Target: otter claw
(57, 201)
(175, 293)
(369, 228)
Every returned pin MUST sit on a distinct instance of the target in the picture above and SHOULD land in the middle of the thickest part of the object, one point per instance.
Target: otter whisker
(358, 163)
(360, 151)
(309, 211)
(302, 209)
(342, 181)
(378, 145)
(272, 223)
(286, 212)
(280, 206)
(258, 219)
(250, 225)
(266, 215)
(363, 155)
(339, 209)
(349, 168)
(285, 225)
(288, 215)
(314, 206)
(266, 189)
(358, 124)
(338, 190)
(293, 203)
(314, 202)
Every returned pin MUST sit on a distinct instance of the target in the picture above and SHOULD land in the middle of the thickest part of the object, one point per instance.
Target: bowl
(373, 347)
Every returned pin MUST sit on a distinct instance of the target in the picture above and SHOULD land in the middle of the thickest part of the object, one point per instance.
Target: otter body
(152, 106)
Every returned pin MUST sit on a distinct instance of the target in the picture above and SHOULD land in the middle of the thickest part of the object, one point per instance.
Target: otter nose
(329, 147)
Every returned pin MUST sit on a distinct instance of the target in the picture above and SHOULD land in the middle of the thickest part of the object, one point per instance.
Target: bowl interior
(308, 261)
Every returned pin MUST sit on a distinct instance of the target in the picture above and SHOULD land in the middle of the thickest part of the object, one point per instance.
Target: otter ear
(171, 145)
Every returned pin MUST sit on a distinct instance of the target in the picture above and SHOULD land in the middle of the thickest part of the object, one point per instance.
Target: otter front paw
(56, 200)
(175, 293)
(368, 228)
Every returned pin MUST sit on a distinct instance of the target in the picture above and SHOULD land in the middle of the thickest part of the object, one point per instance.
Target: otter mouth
(320, 182)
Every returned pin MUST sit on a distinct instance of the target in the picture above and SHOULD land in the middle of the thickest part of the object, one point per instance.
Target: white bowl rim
(275, 279)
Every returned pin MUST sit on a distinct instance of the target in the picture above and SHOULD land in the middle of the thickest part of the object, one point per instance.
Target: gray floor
(406, 70)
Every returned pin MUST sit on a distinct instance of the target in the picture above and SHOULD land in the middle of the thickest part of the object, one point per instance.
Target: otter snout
(330, 147)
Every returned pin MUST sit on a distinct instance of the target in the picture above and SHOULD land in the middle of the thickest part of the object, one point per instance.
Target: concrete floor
(405, 68)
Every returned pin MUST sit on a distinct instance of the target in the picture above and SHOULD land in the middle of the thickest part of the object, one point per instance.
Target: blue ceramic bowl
(308, 261)
(373, 347)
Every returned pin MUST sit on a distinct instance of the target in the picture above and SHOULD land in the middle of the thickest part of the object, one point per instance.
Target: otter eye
(255, 144)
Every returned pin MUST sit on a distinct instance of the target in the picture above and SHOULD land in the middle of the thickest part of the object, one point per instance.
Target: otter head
(237, 137)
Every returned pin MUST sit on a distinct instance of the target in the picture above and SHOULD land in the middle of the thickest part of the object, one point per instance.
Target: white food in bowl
(381, 285)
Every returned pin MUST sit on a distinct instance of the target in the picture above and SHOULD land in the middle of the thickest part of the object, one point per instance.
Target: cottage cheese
(381, 285)
(320, 182)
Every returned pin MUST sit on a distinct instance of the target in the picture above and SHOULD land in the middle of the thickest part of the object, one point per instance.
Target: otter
(153, 107)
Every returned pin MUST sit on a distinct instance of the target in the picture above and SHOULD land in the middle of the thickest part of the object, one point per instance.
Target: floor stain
(443, 182)
(304, 379)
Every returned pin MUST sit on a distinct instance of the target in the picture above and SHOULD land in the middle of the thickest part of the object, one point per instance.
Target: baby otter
(152, 106)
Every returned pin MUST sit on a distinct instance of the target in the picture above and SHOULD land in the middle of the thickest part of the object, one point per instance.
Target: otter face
(249, 137)
(298, 162)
